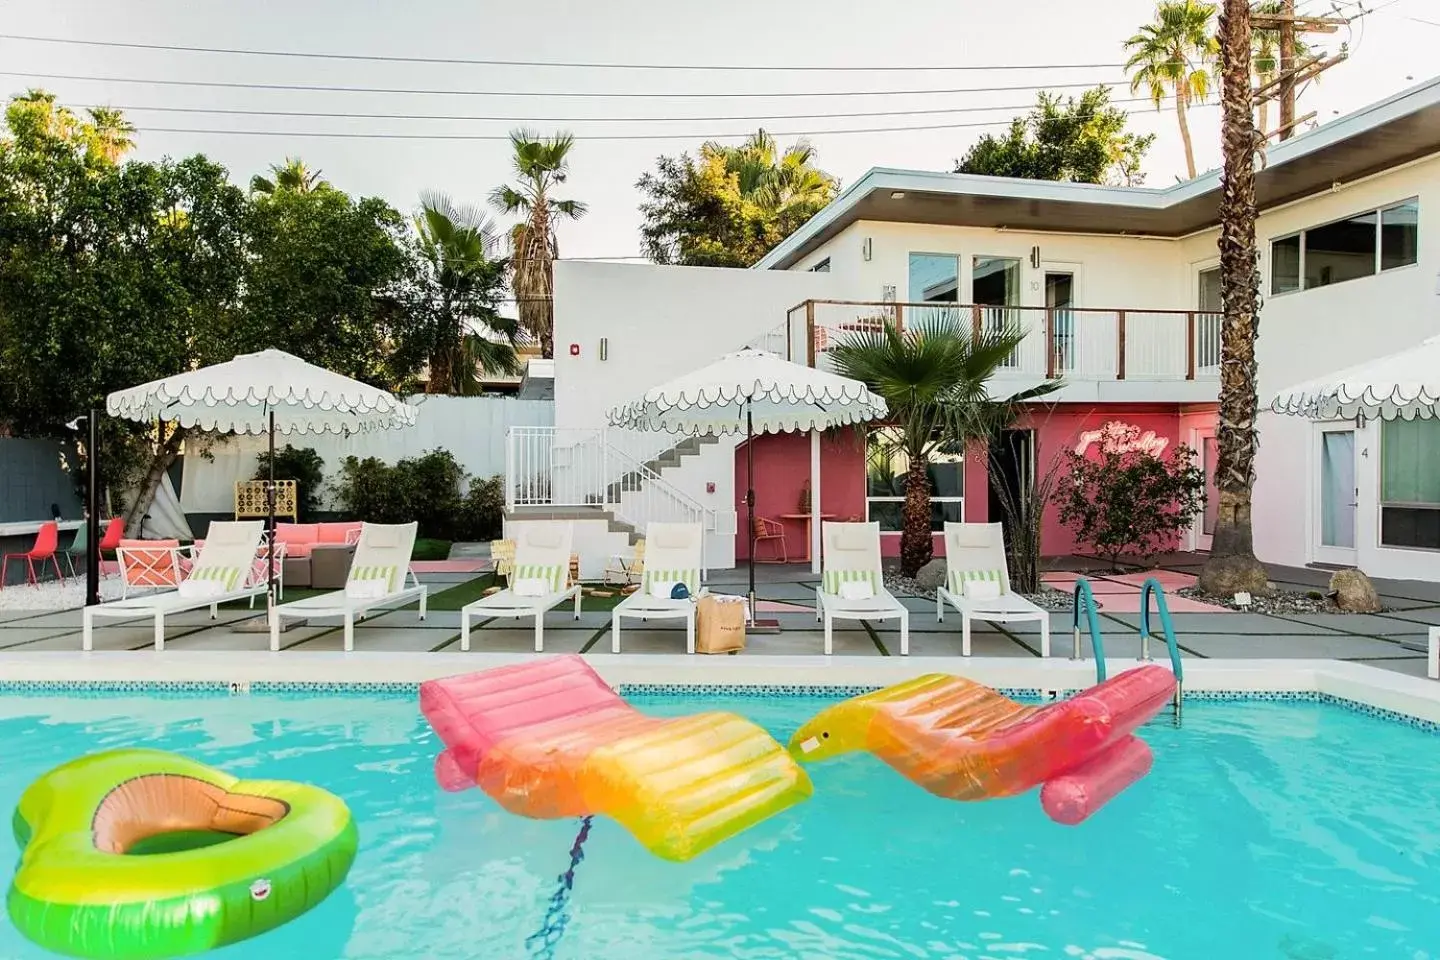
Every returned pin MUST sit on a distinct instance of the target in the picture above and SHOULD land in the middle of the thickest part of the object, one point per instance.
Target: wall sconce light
(1035, 257)
(604, 348)
(865, 248)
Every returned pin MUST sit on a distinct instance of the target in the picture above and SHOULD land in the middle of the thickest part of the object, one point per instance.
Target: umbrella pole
(270, 508)
(750, 499)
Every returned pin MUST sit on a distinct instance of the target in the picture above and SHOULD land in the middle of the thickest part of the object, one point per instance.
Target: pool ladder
(1085, 600)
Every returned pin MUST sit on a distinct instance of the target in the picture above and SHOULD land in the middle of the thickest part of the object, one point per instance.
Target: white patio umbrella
(746, 392)
(268, 392)
(1403, 385)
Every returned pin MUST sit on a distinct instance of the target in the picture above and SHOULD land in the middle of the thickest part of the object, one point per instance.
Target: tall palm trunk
(917, 544)
(442, 368)
(1232, 566)
(1263, 108)
(1181, 98)
(534, 278)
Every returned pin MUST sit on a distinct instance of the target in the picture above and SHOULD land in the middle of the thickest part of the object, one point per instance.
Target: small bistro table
(804, 520)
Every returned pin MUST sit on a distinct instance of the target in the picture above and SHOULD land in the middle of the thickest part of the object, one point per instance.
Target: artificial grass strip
(875, 638)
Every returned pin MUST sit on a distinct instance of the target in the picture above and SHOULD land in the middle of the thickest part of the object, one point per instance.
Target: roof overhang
(1381, 136)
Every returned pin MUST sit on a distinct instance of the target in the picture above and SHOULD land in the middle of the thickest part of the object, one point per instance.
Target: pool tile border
(187, 688)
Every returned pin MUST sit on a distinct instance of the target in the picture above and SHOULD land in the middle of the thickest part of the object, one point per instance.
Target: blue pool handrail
(1152, 586)
(1085, 597)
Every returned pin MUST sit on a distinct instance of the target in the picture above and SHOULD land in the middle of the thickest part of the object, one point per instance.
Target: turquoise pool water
(1295, 831)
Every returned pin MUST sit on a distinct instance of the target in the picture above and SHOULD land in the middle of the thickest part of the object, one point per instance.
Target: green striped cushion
(691, 579)
(553, 574)
(225, 576)
(958, 579)
(358, 574)
(833, 578)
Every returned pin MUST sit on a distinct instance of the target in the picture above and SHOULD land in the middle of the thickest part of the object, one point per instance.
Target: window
(1410, 483)
(934, 278)
(1399, 235)
(822, 267)
(996, 282)
(1285, 264)
(885, 472)
(1358, 246)
(1339, 251)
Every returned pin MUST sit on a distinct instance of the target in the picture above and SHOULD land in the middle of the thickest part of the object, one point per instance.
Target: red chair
(47, 542)
(774, 532)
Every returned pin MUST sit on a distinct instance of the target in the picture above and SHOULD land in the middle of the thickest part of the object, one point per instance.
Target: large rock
(932, 575)
(1354, 593)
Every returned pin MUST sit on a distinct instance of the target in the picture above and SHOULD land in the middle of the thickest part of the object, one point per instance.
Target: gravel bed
(1282, 602)
(907, 587)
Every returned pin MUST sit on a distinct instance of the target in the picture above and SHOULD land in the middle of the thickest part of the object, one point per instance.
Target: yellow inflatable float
(140, 854)
(551, 739)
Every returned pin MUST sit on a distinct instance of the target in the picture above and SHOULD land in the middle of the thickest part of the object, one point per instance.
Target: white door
(1335, 495)
(1202, 441)
(1061, 287)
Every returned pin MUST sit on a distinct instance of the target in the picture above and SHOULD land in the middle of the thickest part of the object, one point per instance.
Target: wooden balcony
(1077, 343)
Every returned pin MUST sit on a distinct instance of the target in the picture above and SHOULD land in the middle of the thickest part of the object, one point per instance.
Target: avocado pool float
(145, 854)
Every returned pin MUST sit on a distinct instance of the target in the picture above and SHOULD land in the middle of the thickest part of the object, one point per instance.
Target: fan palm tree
(292, 176)
(38, 111)
(934, 377)
(785, 185)
(461, 284)
(1232, 566)
(541, 164)
(1171, 56)
(110, 134)
(1265, 54)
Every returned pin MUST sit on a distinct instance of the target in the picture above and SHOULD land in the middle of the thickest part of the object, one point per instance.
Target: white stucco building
(1119, 289)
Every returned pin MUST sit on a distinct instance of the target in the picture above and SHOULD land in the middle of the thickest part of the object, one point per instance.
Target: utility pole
(1291, 75)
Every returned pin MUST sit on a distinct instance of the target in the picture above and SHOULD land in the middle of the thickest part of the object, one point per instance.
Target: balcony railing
(1079, 343)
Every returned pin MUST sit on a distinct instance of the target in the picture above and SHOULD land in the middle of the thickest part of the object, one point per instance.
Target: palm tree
(461, 283)
(111, 135)
(1232, 566)
(785, 185)
(1172, 56)
(933, 376)
(38, 111)
(1265, 54)
(292, 176)
(541, 164)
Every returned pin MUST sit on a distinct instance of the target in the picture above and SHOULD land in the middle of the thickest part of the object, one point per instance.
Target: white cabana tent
(749, 392)
(268, 392)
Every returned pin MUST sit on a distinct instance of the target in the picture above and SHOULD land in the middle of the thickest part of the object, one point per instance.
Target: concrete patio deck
(1393, 640)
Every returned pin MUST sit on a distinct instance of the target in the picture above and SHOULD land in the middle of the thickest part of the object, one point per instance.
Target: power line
(632, 119)
(386, 135)
(378, 58)
(584, 94)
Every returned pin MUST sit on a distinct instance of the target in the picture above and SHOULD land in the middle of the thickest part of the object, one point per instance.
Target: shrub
(425, 489)
(482, 515)
(305, 467)
(1126, 501)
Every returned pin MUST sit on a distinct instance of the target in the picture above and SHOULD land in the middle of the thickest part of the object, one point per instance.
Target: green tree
(110, 134)
(1083, 141)
(541, 164)
(729, 206)
(934, 376)
(292, 176)
(454, 297)
(1171, 57)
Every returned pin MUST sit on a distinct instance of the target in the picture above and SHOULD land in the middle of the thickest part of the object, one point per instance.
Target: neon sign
(1119, 437)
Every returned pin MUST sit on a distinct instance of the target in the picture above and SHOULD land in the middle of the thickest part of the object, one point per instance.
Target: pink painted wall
(782, 466)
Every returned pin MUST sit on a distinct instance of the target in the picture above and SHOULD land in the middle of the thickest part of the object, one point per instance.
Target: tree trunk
(534, 280)
(1232, 566)
(917, 545)
(164, 457)
(1180, 102)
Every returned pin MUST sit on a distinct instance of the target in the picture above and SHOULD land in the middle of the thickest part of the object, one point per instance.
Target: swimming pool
(1292, 830)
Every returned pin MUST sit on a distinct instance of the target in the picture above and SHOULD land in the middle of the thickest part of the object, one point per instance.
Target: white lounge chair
(851, 555)
(975, 554)
(538, 578)
(220, 574)
(674, 553)
(378, 580)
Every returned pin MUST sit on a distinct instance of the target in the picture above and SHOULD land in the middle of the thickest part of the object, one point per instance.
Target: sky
(1391, 48)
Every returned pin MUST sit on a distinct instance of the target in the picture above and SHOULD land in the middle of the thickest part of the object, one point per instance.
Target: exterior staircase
(612, 523)
(666, 460)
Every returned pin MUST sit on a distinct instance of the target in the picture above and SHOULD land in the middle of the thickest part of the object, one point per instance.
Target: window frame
(1382, 504)
(1378, 212)
(962, 463)
(822, 267)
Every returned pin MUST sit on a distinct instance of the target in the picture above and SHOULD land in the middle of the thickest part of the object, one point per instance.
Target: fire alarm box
(574, 349)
